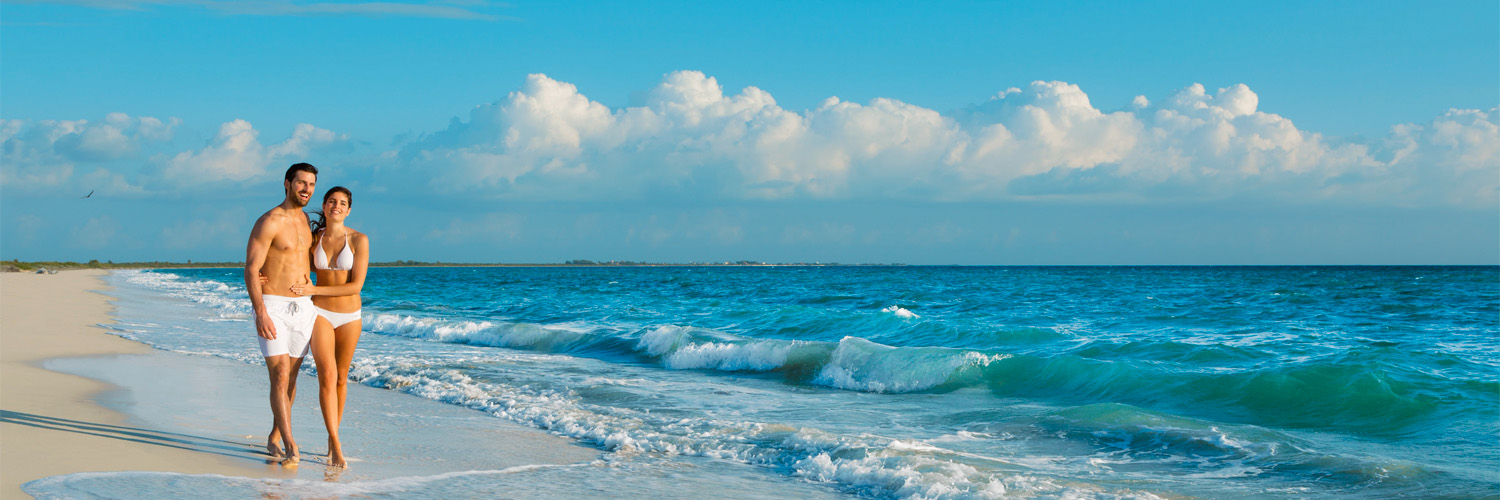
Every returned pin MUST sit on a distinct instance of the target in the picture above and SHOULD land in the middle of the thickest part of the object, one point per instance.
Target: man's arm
(255, 257)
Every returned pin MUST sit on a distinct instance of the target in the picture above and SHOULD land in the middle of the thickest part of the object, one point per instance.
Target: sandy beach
(52, 423)
(78, 399)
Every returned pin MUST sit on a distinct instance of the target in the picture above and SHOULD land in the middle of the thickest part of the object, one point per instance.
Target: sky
(975, 133)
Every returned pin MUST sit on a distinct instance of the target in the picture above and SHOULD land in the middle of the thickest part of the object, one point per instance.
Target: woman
(340, 256)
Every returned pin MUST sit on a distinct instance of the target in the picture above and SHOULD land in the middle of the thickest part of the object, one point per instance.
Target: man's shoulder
(279, 213)
(276, 217)
(273, 215)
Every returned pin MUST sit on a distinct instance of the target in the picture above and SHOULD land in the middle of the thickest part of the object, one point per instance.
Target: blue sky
(924, 133)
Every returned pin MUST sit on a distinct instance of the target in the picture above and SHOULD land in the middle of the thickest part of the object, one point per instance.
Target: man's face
(299, 190)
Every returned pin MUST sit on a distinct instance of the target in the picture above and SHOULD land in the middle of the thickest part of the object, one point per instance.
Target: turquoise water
(945, 382)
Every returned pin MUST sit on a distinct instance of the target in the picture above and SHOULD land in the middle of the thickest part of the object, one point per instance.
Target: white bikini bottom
(338, 319)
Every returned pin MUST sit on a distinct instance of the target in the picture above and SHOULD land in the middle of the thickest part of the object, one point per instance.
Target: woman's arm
(356, 281)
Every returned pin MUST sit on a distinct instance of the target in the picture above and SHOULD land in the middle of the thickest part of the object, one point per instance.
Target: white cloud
(305, 138)
(1455, 155)
(236, 154)
(689, 139)
(549, 140)
(123, 155)
(46, 153)
(118, 136)
(1048, 125)
(106, 184)
(100, 143)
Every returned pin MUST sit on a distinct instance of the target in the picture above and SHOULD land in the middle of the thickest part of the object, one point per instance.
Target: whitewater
(920, 382)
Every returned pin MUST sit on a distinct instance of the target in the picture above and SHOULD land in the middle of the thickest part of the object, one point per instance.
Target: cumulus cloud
(46, 153)
(549, 141)
(122, 154)
(690, 140)
(1048, 125)
(236, 154)
(1455, 155)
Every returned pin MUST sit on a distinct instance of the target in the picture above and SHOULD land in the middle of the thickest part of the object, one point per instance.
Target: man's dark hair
(291, 172)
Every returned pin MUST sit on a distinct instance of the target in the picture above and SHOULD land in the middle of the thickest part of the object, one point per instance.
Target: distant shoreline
(20, 266)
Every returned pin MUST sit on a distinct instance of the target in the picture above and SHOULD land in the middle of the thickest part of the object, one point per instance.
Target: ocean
(923, 382)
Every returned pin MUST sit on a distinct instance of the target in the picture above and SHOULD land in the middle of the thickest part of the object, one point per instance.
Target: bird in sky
(91, 193)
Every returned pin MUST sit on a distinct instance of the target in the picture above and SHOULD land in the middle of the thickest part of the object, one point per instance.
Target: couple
(293, 316)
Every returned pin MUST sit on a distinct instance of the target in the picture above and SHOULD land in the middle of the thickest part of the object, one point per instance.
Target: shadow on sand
(233, 449)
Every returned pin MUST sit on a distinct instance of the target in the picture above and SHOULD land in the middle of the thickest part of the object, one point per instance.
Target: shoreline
(76, 398)
(19, 267)
(53, 422)
(40, 267)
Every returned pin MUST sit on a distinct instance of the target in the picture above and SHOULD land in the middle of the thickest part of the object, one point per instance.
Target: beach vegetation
(16, 265)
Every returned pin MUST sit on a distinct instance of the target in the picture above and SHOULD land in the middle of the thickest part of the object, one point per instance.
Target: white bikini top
(344, 262)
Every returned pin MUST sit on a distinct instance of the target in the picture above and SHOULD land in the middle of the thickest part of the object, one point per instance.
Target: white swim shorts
(293, 318)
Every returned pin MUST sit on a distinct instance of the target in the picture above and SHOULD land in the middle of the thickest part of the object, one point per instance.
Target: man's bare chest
(297, 238)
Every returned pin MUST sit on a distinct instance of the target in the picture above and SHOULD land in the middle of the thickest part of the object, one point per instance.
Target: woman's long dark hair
(319, 224)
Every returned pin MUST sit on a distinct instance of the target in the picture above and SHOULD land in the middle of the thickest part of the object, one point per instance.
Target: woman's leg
(346, 337)
(324, 355)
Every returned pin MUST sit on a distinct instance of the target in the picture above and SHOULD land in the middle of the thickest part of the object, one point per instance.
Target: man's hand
(264, 327)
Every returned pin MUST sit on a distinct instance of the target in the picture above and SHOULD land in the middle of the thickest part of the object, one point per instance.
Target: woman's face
(336, 207)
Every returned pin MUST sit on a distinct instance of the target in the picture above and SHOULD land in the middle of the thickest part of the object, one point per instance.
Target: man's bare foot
(291, 459)
(336, 454)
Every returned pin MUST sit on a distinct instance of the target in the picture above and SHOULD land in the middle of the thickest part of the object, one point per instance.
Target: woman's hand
(298, 290)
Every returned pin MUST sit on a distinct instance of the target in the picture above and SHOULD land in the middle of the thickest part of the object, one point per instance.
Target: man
(279, 248)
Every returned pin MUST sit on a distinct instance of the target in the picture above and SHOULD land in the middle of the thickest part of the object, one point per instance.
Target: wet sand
(52, 423)
(77, 399)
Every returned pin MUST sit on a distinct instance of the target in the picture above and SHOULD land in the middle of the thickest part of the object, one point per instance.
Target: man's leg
(281, 370)
(291, 385)
(273, 440)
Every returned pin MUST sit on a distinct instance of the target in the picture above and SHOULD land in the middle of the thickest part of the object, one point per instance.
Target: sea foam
(900, 312)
